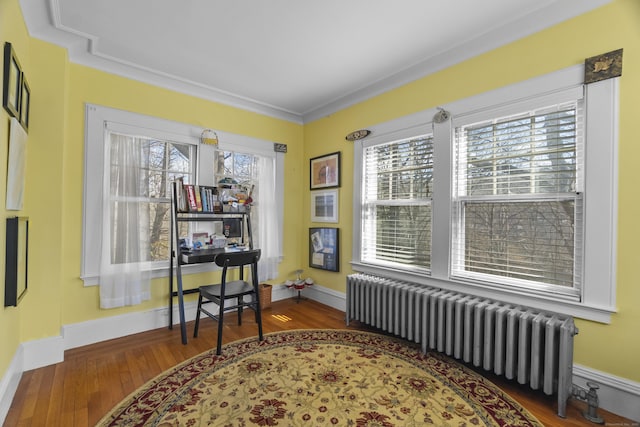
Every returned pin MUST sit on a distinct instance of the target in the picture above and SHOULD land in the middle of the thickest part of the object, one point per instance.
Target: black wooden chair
(232, 290)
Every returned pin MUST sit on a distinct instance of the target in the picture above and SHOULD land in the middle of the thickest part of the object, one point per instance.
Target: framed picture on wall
(12, 84)
(25, 102)
(17, 250)
(324, 247)
(324, 171)
(324, 206)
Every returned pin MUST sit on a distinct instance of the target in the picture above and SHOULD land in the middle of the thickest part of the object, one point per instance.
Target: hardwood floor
(94, 378)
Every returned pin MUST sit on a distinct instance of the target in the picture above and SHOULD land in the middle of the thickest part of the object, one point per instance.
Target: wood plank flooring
(94, 378)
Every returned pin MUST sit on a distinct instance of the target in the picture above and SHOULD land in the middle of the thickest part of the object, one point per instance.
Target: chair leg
(220, 319)
(256, 301)
(239, 303)
(259, 323)
(258, 313)
(195, 329)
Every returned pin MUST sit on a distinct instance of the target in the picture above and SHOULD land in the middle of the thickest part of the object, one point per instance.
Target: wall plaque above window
(602, 67)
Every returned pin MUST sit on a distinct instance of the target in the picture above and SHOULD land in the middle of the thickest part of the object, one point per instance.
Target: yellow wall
(91, 86)
(54, 183)
(56, 295)
(13, 30)
(604, 347)
(96, 87)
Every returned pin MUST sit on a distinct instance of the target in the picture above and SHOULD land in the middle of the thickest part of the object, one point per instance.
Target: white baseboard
(279, 292)
(9, 383)
(326, 296)
(44, 352)
(93, 331)
(617, 395)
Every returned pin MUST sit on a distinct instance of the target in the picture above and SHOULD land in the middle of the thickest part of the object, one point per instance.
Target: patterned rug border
(194, 369)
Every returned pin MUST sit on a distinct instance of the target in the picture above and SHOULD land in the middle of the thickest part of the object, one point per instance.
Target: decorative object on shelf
(209, 137)
(324, 171)
(12, 85)
(299, 284)
(602, 67)
(358, 134)
(324, 206)
(324, 248)
(17, 250)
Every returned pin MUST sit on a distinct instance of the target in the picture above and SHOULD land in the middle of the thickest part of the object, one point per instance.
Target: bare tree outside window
(160, 162)
(517, 199)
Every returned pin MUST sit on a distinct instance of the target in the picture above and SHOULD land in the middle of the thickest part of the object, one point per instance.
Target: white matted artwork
(324, 206)
(16, 165)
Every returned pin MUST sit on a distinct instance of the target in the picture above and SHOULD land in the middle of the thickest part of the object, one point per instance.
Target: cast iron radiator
(519, 343)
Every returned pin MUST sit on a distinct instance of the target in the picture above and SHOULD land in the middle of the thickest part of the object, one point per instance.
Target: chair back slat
(237, 259)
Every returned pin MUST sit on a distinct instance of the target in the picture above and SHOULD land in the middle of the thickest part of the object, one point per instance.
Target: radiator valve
(591, 397)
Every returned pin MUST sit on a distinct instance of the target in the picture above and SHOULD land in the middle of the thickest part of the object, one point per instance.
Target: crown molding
(499, 36)
(43, 22)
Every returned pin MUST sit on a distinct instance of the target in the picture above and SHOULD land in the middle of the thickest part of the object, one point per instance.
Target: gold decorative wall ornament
(602, 67)
(358, 134)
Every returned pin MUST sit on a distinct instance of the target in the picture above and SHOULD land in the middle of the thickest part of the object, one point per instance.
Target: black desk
(177, 258)
(197, 256)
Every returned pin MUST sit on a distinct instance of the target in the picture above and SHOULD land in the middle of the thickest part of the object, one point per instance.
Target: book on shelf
(196, 190)
(181, 197)
(191, 197)
(197, 198)
(205, 199)
(209, 197)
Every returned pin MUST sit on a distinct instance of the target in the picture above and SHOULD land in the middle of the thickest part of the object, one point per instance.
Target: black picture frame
(25, 103)
(17, 256)
(324, 171)
(12, 84)
(324, 205)
(324, 248)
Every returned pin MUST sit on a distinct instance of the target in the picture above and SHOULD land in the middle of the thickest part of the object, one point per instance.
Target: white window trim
(601, 108)
(96, 119)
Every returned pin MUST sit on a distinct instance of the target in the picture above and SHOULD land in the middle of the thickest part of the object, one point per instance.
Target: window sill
(556, 304)
(158, 272)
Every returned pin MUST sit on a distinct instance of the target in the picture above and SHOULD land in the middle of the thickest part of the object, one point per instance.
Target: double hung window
(512, 196)
(517, 199)
(396, 211)
(140, 176)
(130, 162)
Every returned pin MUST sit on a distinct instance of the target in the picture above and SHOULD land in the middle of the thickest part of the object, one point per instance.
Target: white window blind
(396, 214)
(518, 198)
(524, 203)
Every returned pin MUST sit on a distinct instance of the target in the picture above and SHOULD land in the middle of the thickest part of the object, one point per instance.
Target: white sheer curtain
(125, 230)
(267, 235)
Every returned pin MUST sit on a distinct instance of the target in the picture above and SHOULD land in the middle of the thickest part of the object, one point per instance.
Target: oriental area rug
(319, 378)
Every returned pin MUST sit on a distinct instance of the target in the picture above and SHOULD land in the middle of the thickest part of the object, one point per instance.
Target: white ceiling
(294, 59)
